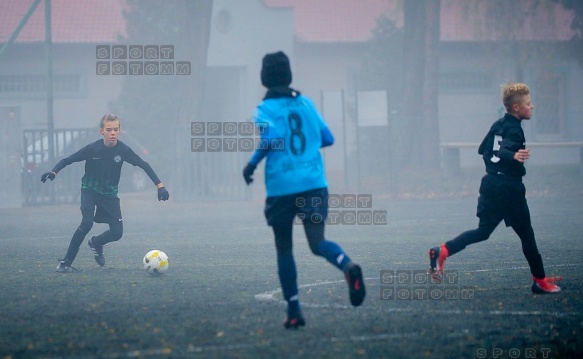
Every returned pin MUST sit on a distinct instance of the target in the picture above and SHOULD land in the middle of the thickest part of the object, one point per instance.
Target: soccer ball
(156, 262)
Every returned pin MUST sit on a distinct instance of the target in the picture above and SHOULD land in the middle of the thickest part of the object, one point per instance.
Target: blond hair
(109, 117)
(512, 93)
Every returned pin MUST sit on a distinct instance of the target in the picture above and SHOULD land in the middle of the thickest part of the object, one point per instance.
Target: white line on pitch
(269, 295)
(523, 267)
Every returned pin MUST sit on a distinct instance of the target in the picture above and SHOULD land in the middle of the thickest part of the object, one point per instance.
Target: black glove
(248, 172)
(46, 176)
(163, 194)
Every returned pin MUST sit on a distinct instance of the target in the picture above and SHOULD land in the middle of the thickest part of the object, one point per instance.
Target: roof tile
(315, 21)
(73, 21)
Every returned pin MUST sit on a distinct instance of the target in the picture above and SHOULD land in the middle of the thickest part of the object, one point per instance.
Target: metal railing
(35, 161)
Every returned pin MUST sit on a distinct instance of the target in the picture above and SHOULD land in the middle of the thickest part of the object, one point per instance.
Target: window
(548, 110)
(37, 84)
(464, 80)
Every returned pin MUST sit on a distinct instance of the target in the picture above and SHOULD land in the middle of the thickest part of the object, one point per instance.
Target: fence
(207, 173)
(36, 160)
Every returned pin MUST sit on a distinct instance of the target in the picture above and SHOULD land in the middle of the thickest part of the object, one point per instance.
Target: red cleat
(437, 256)
(546, 285)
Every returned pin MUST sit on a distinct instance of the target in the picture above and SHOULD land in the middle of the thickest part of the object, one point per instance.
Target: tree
(382, 63)
(152, 107)
(405, 62)
(575, 49)
(421, 71)
(430, 145)
(498, 27)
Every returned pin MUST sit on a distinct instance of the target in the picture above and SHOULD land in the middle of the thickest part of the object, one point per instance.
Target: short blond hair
(109, 117)
(512, 92)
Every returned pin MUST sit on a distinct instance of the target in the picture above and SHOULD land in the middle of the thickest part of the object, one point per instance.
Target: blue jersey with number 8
(292, 127)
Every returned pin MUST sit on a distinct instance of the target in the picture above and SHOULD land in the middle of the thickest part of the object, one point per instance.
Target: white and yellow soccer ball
(156, 262)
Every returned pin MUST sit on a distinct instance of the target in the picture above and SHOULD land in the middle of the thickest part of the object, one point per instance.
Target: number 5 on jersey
(497, 141)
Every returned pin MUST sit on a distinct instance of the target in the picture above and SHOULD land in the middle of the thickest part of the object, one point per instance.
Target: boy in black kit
(502, 193)
(99, 201)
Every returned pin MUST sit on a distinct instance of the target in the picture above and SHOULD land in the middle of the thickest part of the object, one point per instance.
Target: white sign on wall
(372, 108)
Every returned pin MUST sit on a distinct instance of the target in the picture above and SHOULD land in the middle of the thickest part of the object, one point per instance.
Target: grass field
(220, 297)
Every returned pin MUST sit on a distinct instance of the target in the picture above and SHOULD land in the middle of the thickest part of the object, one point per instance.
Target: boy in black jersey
(99, 185)
(502, 193)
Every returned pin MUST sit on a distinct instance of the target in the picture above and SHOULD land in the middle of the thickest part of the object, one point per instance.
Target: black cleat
(294, 320)
(355, 284)
(65, 267)
(97, 252)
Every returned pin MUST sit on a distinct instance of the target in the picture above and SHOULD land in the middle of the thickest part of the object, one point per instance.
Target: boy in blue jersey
(293, 132)
(99, 185)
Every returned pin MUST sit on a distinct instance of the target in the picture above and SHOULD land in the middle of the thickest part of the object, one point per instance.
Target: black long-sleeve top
(103, 166)
(503, 140)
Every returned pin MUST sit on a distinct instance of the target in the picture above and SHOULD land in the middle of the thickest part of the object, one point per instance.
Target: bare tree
(575, 49)
(421, 71)
(175, 100)
(431, 150)
(194, 20)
